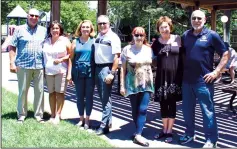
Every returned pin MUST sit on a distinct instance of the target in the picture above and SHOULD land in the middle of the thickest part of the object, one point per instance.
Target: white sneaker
(209, 144)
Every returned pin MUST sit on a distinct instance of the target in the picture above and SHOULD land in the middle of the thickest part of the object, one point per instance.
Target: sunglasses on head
(32, 15)
(102, 23)
(136, 35)
(194, 18)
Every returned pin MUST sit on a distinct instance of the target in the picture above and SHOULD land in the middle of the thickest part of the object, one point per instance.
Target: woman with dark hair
(136, 79)
(57, 64)
(169, 72)
(83, 66)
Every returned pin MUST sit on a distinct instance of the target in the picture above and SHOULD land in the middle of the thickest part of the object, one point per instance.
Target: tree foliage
(137, 13)
(72, 12)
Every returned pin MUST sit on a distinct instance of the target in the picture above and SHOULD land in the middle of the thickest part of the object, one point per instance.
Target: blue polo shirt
(199, 50)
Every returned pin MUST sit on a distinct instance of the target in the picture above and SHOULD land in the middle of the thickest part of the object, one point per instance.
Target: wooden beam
(226, 7)
(55, 10)
(217, 2)
(102, 7)
(213, 19)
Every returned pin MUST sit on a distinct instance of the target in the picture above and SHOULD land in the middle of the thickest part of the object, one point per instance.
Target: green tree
(72, 12)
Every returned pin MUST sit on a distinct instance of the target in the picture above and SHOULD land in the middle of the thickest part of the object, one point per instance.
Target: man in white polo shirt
(107, 53)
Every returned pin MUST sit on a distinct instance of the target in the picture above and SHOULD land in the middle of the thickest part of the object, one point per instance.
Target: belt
(104, 65)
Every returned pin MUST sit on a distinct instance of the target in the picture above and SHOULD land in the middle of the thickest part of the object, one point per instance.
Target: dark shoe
(160, 135)
(102, 131)
(169, 138)
(141, 141)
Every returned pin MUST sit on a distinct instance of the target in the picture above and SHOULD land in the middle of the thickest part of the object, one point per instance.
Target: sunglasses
(31, 15)
(136, 35)
(102, 23)
(194, 18)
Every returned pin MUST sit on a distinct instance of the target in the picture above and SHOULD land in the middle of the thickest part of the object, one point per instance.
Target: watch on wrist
(113, 73)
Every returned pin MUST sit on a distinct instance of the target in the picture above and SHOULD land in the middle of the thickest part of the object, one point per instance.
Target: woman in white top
(56, 51)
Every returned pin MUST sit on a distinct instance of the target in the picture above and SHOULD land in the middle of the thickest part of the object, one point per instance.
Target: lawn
(32, 134)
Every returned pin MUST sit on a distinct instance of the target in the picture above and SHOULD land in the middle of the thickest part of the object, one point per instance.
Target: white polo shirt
(106, 46)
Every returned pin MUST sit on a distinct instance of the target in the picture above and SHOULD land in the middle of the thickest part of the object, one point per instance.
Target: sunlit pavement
(123, 127)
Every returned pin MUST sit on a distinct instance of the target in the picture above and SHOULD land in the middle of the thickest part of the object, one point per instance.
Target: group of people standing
(184, 72)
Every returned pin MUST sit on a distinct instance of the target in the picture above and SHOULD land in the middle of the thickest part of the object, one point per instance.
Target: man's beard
(198, 27)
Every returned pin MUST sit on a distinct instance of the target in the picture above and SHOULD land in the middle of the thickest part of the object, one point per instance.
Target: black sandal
(160, 135)
(169, 138)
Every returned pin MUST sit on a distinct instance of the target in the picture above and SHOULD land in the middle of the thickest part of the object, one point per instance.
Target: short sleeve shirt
(139, 77)
(106, 46)
(28, 43)
(199, 51)
(55, 51)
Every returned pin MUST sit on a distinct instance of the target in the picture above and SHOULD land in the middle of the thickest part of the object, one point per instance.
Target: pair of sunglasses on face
(32, 16)
(137, 35)
(198, 18)
(102, 23)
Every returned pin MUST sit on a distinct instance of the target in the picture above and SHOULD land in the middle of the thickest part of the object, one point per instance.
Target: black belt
(104, 65)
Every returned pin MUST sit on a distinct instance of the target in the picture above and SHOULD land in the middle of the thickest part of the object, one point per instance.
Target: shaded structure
(17, 13)
(211, 5)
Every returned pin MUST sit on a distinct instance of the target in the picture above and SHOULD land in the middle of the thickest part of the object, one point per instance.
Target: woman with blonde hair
(136, 79)
(169, 72)
(83, 69)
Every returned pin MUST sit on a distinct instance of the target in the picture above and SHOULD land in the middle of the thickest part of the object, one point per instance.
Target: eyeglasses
(85, 27)
(136, 35)
(194, 18)
(102, 23)
(36, 16)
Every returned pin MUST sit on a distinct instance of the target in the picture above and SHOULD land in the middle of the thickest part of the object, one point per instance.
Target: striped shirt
(106, 46)
(28, 43)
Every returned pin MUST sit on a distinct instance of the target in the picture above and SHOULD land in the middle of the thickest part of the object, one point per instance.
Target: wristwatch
(113, 73)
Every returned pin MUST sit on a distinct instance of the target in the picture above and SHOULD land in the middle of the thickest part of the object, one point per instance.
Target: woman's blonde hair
(164, 19)
(78, 30)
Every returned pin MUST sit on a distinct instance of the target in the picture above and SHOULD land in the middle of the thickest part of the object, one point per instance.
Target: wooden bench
(233, 91)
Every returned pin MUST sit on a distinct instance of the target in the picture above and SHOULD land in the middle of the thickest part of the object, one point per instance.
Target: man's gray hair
(103, 16)
(34, 11)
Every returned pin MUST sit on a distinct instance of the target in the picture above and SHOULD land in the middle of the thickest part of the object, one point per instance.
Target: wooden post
(102, 7)
(213, 19)
(55, 10)
(228, 14)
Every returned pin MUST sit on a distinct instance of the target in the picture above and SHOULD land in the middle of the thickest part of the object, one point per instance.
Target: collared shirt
(199, 51)
(106, 46)
(55, 51)
(28, 43)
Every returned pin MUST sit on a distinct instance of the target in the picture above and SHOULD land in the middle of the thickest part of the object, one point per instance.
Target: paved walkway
(123, 126)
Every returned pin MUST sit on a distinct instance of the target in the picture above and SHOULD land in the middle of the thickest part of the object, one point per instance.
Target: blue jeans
(104, 91)
(84, 90)
(139, 104)
(204, 93)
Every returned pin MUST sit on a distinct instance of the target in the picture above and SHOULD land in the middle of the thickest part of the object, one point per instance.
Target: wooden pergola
(211, 5)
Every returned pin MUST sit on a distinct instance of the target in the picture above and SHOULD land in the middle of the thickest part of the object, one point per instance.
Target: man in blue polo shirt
(26, 59)
(199, 44)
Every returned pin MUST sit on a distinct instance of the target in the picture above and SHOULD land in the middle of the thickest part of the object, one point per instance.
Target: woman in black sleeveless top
(168, 74)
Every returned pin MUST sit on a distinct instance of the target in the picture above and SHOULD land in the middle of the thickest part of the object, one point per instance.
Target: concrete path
(123, 126)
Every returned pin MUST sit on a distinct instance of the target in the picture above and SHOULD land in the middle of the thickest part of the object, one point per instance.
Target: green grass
(32, 134)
